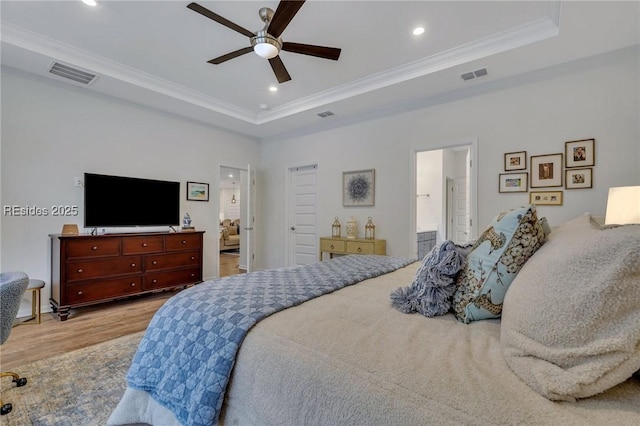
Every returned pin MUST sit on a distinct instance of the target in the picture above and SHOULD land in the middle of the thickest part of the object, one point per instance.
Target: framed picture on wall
(515, 161)
(358, 188)
(578, 178)
(580, 153)
(546, 170)
(545, 198)
(513, 182)
(197, 191)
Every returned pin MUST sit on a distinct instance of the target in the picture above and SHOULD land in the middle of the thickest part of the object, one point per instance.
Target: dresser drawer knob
(155, 262)
(80, 270)
(133, 284)
(193, 275)
(193, 258)
(331, 247)
(359, 249)
(154, 281)
(144, 244)
(184, 241)
(79, 293)
(94, 248)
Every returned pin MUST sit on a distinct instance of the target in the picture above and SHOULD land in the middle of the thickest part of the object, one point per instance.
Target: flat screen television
(118, 201)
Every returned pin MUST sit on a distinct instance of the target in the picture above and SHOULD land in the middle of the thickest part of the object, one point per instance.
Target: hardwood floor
(229, 264)
(85, 327)
(89, 325)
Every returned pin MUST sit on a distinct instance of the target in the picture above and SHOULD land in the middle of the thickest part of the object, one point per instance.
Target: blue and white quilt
(185, 358)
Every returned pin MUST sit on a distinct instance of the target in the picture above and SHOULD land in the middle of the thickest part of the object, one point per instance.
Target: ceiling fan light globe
(265, 50)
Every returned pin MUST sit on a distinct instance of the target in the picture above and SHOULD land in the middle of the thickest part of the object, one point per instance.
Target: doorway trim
(472, 142)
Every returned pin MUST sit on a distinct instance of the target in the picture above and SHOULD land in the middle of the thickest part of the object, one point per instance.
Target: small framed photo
(358, 188)
(580, 153)
(197, 191)
(515, 161)
(546, 170)
(513, 182)
(578, 178)
(545, 198)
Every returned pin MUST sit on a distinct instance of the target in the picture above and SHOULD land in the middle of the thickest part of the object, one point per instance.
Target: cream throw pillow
(571, 318)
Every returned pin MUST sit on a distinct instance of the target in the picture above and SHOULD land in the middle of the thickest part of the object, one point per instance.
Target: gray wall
(537, 112)
(52, 132)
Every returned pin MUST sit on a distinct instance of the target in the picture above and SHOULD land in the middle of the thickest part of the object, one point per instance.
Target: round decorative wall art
(358, 188)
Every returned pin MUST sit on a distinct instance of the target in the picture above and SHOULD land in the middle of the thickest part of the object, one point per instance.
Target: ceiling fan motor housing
(261, 38)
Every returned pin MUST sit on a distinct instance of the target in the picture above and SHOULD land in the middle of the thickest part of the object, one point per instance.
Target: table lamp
(623, 206)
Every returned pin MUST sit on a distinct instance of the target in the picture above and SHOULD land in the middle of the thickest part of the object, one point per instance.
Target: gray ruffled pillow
(432, 289)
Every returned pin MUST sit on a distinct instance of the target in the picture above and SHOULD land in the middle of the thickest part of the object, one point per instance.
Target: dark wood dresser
(92, 269)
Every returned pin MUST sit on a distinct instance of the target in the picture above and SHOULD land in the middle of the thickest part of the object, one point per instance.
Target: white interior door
(247, 223)
(303, 205)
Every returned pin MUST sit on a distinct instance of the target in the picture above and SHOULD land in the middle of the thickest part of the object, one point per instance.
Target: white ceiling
(156, 52)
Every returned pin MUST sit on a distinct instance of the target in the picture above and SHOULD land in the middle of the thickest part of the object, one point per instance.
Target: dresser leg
(63, 312)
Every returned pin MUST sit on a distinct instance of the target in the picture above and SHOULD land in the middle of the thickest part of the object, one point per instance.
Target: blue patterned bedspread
(185, 358)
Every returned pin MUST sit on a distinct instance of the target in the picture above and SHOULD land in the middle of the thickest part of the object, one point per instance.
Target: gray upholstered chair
(12, 287)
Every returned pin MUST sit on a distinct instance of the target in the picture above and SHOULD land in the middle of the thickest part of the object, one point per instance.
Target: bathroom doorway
(445, 195)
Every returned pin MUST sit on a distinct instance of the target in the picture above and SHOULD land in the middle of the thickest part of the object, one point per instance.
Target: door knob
(293, 228)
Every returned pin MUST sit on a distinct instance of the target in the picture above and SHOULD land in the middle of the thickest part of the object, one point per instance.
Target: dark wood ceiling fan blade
(223, 58)
(312, 50)
(279, 69)
(284, 13)
(219, 19)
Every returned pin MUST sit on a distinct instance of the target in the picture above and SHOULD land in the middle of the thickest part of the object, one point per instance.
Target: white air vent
(477, 73)
(325, 114)
(70, 73)
(467, 76)
(481, 73)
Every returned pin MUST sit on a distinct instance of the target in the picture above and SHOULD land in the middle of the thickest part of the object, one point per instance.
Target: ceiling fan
(267, 42)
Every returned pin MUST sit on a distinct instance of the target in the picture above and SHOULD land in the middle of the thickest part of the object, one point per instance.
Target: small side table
(34, 287)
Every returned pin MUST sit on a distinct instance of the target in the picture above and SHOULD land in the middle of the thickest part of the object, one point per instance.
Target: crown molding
(531, 32)
(61, 52)
(538, 30)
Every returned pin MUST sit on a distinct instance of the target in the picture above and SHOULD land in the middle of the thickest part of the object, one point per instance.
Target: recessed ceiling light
(418, 30)
(273, 88)
(90, 2)
(230, 175)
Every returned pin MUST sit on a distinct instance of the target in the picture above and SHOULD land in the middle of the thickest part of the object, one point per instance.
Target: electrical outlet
(77, 181)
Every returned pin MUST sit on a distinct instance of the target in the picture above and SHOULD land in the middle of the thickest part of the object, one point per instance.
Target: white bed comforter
(349, 358)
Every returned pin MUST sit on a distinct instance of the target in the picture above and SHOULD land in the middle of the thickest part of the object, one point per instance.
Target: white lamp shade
(266, 50)
(623, 206)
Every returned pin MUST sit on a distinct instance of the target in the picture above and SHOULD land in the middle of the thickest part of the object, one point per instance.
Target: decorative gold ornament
(352, 228)
(369, 230)
(335, 228)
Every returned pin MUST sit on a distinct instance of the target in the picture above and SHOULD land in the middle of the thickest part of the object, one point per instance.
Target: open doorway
(230, 194)
(445, 205)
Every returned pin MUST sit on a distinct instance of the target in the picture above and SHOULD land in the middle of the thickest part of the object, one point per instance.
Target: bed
(349, 358)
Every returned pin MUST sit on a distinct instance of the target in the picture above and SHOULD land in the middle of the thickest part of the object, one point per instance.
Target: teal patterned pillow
(495, 260)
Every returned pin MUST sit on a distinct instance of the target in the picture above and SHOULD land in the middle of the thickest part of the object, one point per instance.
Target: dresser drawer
(355, 247)
(93, 247)
(172, 278)
(183, 242)
(77, 271)
(104, 289)
(332, 245)
(169, 261)
(141, 245)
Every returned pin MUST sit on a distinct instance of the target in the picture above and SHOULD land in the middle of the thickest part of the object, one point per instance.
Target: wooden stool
(34, 286)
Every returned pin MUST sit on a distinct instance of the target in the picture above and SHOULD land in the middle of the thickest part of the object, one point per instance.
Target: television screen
(116, 201)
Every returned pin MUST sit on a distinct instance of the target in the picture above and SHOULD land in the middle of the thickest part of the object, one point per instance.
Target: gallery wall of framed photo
(545, 176)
